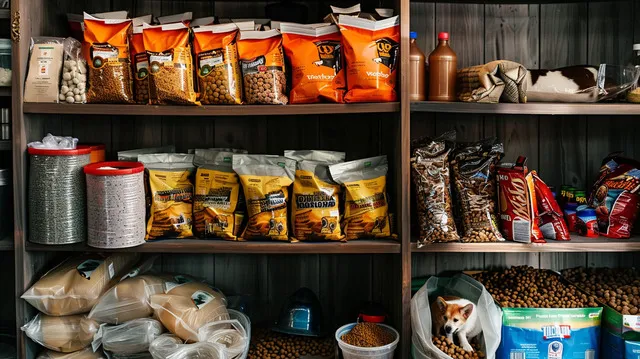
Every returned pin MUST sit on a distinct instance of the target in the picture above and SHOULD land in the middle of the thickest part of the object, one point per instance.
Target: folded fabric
(496, 81)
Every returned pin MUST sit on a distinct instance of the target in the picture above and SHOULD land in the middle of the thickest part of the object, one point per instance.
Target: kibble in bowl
(366, 340)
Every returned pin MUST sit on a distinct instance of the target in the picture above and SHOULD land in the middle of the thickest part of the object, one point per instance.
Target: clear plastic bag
(232, 334)
(86, 353)
(614, 80)
(171, 347)
(62, 334)
(463, 286)
(73, 85)
(76, 284)
(132, 337)
(177, 312)
(128, 300)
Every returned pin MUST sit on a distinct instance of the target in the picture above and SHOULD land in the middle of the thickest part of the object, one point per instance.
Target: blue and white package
(550, 333)
(632, 350)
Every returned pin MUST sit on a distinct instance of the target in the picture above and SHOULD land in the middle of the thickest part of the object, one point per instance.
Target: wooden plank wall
(564, 149)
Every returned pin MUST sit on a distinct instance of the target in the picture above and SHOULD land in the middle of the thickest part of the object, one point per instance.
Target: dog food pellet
(527, 287)
(110, 84)
(368, 335)
(455, 351)
(216, 88)
(266, 344)
(265, 88)
(618, 288)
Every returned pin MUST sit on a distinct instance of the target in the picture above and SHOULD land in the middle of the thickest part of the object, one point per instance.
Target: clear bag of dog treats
(76, 284)
(233, 334)
(172, 347)
(62, 334)
(132, 337)
(86, 353)
(73, 86)
(461, 286)
(127, 300)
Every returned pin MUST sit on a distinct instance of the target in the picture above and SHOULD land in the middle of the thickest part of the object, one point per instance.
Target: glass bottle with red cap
(443, 64)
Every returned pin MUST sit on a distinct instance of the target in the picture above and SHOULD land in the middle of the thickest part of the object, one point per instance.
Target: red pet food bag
(517, 202)
(551, 223)
(615, 196)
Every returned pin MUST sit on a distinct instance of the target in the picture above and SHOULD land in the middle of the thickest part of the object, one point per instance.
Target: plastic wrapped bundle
(131, 337)
(62, 334)
(171, 347)
(128, 300)
(86, 353)
(75, 286)
(232, 334)
(185, 308)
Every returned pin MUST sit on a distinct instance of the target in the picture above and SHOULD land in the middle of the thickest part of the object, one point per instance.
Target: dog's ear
(442, 304)
(467, 310)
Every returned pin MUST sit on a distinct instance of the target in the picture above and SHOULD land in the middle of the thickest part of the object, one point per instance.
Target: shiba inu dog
(455, 316)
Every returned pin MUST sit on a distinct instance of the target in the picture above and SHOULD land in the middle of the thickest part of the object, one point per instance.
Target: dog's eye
(455, 320)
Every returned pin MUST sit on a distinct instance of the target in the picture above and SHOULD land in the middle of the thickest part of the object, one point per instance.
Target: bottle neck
(412, 41)
(443, 43)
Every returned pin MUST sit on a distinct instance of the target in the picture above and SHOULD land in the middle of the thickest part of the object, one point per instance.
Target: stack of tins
(57, 194)
(115, 204)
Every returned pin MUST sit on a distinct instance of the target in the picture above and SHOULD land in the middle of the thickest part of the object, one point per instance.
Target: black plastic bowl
(301, 315)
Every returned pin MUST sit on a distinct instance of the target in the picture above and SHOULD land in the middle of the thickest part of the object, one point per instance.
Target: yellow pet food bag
(266, 181)
(171, 195)
(315, 214)
(366, 210)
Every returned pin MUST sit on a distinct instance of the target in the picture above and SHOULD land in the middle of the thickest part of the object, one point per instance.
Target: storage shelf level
(576, 244)
(225, 110)
(538, 108)
(221, 246)
(6, 244)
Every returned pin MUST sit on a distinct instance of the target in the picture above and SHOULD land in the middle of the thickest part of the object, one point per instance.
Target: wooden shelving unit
(577, 244)
(229, 247)
(590, 109)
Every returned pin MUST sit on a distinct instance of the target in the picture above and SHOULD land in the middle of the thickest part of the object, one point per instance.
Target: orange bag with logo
(140, 62)
(106, 51)
(170, 64)
(316, 62)
(371, 50)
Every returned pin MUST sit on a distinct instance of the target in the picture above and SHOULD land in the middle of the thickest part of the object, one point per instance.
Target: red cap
(120, 168)
(443, 36)
(80, 150)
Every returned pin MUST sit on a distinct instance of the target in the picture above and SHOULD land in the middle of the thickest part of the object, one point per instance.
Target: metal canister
(57, 196)
(115, 204)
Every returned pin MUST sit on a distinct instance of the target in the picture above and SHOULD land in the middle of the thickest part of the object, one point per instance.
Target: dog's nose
(447, 329)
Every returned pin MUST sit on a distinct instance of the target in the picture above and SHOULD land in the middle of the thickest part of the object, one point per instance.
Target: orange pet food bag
(371, 50)
(140, 62)
(315, 54)
(170, 64)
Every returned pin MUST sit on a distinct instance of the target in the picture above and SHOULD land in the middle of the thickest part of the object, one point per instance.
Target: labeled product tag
(178, 280)
(200, 298)
(87, 267)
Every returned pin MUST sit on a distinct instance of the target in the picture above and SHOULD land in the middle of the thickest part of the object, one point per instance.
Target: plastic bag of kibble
(73, 86)
(430, 172)
(170, 64)
(218, 70)
(62, 334)
(140, 62)
(474, 176)
(262, 61)
(107, 54)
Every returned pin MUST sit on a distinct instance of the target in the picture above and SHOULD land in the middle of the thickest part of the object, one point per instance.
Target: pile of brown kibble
(368, 335)
(527, 287)
(266, 344)
(455, 351)
(618, 288)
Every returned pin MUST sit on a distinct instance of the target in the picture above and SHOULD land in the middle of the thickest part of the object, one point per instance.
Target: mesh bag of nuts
(217, 64)
(315, 54)
(430, 172)
(371, 51)
(107, 54)
(474, 175)
(170, 65)
(262, 61)
(140, 62)
(74, 73)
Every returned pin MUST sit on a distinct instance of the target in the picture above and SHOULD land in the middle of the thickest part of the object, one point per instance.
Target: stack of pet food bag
(108, 301)
(464, 194)
(307, 195)
(349, 59)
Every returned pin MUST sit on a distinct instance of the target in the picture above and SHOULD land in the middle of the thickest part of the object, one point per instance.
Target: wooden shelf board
(576, 244)
(5, 13)
(5, 91)
(221, 246)
(227, 110)
(528, 108)
(6, 244)
(5, 145)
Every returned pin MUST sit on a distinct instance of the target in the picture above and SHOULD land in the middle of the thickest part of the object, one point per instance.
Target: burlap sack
(187, 307)
(62, 334)
(496, 81)
(75, 286)
(86, 353)
(128, 300)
